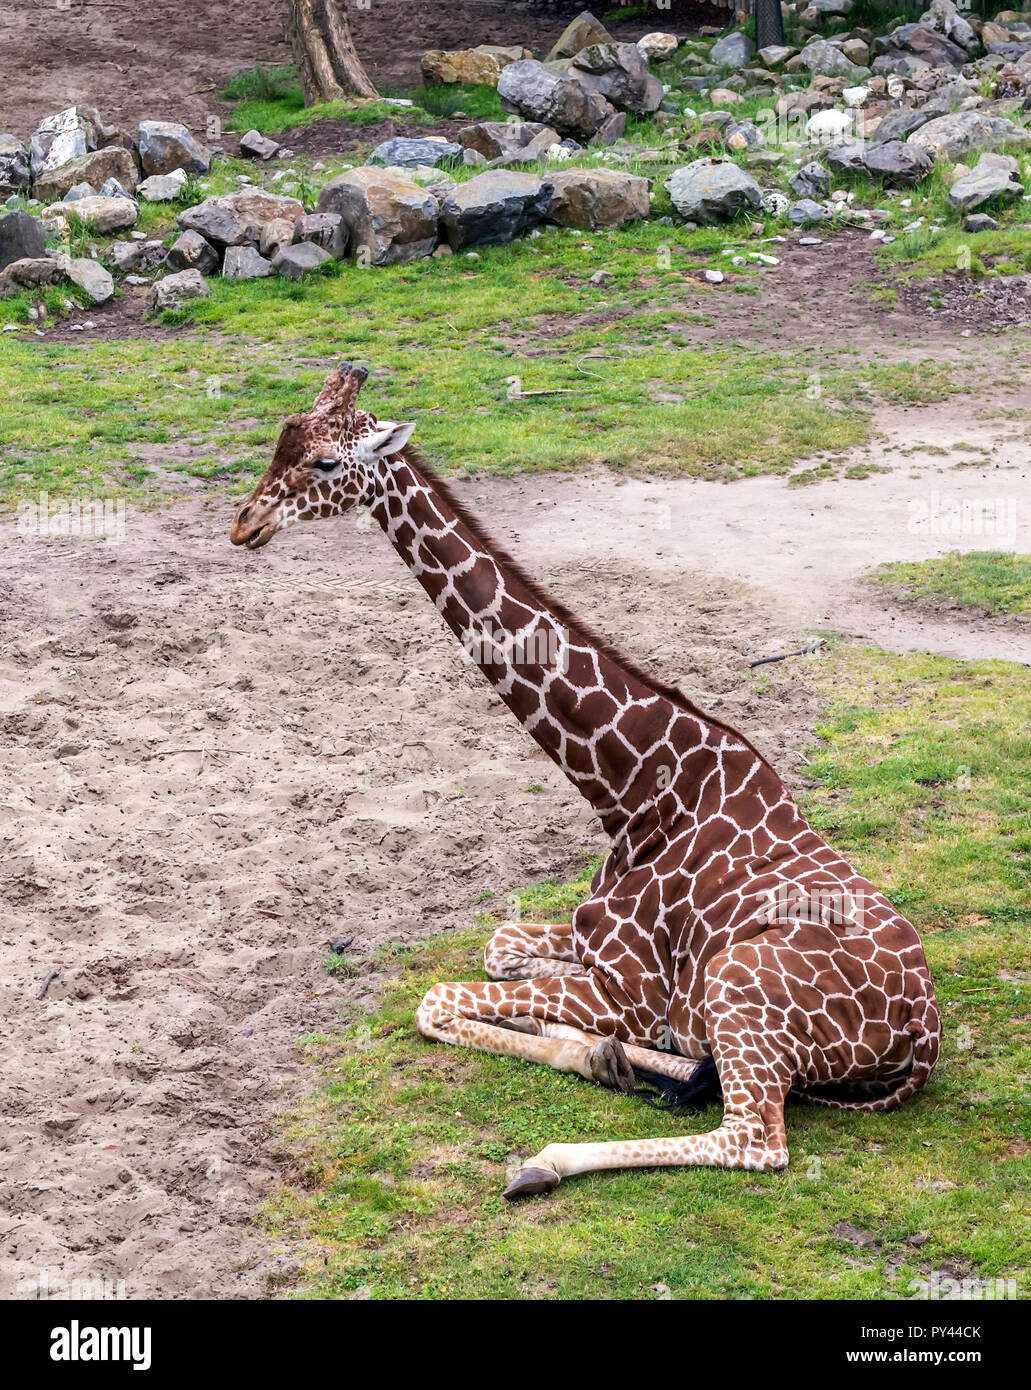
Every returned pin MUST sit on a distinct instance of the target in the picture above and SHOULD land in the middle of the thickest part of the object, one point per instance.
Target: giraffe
(724, 948)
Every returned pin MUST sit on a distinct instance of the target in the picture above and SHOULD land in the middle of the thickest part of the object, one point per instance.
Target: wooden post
(324, 52)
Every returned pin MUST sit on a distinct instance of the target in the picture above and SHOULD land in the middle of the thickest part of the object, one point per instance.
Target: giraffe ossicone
(724, 947)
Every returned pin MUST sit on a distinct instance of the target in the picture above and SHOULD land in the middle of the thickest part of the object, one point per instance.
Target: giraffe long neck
(606, 727)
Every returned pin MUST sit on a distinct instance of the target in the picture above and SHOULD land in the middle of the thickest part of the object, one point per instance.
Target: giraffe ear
(390, 438)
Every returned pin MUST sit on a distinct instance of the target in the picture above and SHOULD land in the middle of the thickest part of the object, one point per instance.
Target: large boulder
(948, 137)
(66, 136)
(21, 238)
(90, 276)
(897, 164)
(593, 198)
(579, 33)
(812, 181)
(946, 18)
(326, 229)
(733, 51)
(94, 168)
(849, 158)
(190, 251)
(30, 273)
(388, 216)
(493, 208)
(619, 73)
(712, 190)
(823, 59)
(176, 290)
(167, 145)
(231, 219)
(923, 42)
(473, 67)
(511, 142)
(104, 215)
(896, 125)
(294, 261)
(555, 99)
(161, 188)
(15, 169)
(657, 47)
(244, 263)
(405, 153)
(992, 181)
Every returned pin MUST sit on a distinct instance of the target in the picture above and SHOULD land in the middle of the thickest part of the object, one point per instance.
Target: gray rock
(325, 229)
(167, 145)
(190, 251)
(176, 290)
(898, 124)
(554, 99)
(897, 164)
(388, 217)
(823, 59)
(921, 41)
(94, 168)
(280, 232)
(90, 276)
(508, 142)
(30, 273)
(403, 153)
(733, 51)
(579, 33)
(104, 215)
(21, 238)
(64, 138)
(849, 158)
(111, 188)
(806, 212)
(80, 190)
(743, 135)
(161, 188)
(708, 191)
(15, 170)
(593, 198)
(493, 208)
(132, 256)
(619, 73)
(295, 261)
(988, 183)
(948, 137)
(811, 181)
(254, 145)
(232, 219)
(244, 263)
(980, 222)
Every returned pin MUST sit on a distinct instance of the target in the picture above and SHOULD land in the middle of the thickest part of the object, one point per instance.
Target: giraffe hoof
(528, 1024)
(528, 1182)
(610, 1066)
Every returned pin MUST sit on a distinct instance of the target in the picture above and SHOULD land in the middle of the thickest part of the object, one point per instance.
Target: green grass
(989, 581)
(400, 1152)
(442, 339)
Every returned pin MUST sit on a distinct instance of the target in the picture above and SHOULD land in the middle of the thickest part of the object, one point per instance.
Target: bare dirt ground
(168, 61)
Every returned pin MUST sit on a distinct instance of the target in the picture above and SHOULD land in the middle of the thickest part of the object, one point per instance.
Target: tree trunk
(324, 52)
(769, 24)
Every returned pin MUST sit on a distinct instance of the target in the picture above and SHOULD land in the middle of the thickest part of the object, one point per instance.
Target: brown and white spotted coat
(720, 924)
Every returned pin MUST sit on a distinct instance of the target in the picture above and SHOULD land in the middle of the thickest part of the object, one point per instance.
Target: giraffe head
(324, 462)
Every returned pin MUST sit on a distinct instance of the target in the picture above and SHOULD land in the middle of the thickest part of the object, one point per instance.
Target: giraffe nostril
(244, 514)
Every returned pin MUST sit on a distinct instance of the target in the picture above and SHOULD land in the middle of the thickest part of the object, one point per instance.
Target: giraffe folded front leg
(531, 951)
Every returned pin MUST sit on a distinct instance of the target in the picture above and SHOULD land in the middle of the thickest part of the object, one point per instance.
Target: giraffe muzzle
(250, 530)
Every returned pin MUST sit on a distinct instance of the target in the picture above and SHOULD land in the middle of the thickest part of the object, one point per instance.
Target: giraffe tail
(698, 1091)
(885, 1093)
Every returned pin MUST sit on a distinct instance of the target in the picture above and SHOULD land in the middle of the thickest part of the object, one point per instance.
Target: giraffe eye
(325, 465)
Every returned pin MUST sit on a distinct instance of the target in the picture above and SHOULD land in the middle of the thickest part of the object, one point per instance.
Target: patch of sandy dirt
(168, 61)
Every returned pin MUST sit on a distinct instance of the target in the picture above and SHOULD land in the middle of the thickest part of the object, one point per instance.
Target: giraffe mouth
(260, 537)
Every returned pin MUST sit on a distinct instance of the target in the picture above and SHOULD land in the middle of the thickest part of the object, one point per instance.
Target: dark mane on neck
(436, 483)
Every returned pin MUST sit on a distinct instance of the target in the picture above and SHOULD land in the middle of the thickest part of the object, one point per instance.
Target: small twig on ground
(267, 912)
(47, 983)
(802, 651)
(597, 357)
